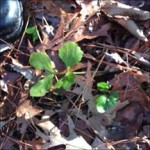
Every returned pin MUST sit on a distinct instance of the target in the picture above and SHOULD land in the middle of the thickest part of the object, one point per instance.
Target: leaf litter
(114, 36)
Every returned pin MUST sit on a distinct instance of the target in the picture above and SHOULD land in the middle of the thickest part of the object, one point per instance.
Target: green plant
(106, 99)
(33, 32)
(70, 53)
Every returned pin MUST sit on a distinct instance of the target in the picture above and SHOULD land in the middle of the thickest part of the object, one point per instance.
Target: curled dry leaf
(131, 27)
(141, 58)
(114, 9)
(27, 72)
(114, 57)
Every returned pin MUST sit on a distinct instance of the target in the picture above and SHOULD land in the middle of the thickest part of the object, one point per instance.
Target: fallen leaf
(27, 110)
(3, 86)
(132, 28)
(83, 33)
(73, 139)
(27, 72)
(114, 57)
(115, 8)
(123, 14)
(128, 86)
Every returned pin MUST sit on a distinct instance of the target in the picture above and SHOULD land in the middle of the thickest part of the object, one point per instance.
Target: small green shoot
(66, 81)
(103, 86)
(70, 53)
(107, 99)
(33, 32)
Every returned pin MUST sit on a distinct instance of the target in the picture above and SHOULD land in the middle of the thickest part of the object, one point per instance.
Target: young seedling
(40, 60)
(33, 32)
(107, 99)
(70, 53)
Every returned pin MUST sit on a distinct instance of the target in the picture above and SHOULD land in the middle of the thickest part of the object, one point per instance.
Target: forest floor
(116, 58)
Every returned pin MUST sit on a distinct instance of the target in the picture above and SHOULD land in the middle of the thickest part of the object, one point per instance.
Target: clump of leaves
(33, 32)
(106, 99)
(70, 53)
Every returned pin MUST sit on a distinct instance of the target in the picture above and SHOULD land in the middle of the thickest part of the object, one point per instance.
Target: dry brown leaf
(83, 88)
(36, 144)
(83, 33)
(97, 122)
(94, 26)
(133, 114)
(88, 7)
(131, 27)
(128, 86)
(73, 139)
(115, 8)
(58, 38)
(53, 8)
(123, 14)
(52, 133)
(27, 109)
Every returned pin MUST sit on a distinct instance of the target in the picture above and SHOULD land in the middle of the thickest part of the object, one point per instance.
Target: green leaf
(104, 102)
(40, 60)
(103, 86)
(70, 53)
(41, 87)
(33, 32)
(112, 99)
(66, 81)
(100, 102)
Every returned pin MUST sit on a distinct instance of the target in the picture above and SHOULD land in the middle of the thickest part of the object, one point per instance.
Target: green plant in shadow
(33, 32)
